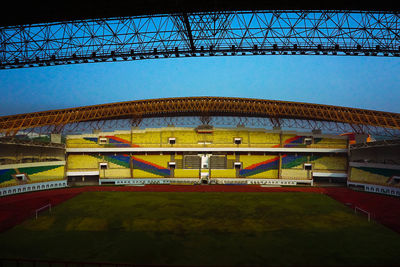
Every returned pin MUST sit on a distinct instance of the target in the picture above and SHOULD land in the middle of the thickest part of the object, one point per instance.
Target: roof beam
(188, 29)
(203, 107)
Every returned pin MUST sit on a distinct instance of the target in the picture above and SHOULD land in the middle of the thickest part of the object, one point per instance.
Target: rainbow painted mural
(138, 163)
(38, 173)
(113, 141)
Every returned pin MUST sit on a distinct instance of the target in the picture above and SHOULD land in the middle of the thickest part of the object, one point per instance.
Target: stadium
(203, 180)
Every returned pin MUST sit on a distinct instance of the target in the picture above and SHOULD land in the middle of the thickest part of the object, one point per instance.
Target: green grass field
(224, 229)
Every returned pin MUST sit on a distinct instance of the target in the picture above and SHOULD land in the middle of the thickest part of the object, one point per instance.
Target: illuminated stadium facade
(119, 144)
(195, 139)
(148, 149)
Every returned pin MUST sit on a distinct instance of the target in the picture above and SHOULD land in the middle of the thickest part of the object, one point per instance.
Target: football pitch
(191, 228)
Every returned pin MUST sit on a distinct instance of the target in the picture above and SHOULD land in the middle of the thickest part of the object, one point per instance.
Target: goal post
(48, 206)
(362, 211)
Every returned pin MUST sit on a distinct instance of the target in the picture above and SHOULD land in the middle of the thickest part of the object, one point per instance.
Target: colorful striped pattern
(150, 167)
(113, 141)
(117, 141)
(7, 174)
(298, 141)
(123, 160)
(271, 164)
(288, 162)
(294, 141)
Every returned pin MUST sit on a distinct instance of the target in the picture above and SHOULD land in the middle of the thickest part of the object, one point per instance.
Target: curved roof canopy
(203, 107)
(32, 12)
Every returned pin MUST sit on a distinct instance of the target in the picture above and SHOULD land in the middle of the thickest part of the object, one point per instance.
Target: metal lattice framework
(209, 110)
(216, 33)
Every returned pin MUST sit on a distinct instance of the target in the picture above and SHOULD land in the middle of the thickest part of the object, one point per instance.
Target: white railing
(12, 190)
(140, 181)
(380, 189)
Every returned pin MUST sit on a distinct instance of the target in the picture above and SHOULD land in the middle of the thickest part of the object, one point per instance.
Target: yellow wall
(185, 173)
(143, 138)
(226, 173)
(143, 174)
(115, 173)
(262, 139)
(270, 174)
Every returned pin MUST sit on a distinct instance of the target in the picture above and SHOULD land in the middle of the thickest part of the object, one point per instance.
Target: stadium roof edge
(202, 107)
(33, 12)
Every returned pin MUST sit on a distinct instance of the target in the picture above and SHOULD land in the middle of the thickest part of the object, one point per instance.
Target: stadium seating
(146, 139)
(297, 174)
(33, 174)
(329, 143)
(255, 166)
(81, 141)
(294, 161)
(185, 138)
(330, 163)
(151, 165)
(373, 175)
(83, 162)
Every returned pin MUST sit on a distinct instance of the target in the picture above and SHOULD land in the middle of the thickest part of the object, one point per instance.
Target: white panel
(88, 173)
(330, 174)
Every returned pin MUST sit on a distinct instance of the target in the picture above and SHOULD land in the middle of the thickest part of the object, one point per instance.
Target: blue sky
(362, 82)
